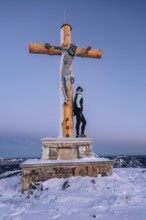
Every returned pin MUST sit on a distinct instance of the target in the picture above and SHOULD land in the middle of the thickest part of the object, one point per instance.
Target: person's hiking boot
(83, 135)
(78, 136)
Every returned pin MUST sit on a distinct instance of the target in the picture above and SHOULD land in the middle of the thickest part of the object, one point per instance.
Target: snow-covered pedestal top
(68, 139)
(37, 162)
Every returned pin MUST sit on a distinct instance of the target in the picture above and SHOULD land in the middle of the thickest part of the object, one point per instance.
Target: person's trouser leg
(83, 120)
(78, 121)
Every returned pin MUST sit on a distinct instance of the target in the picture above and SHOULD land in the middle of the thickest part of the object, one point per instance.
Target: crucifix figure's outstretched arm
(48, 46)
(83, 51)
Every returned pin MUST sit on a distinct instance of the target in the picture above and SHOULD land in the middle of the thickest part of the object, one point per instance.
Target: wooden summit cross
(67, 125)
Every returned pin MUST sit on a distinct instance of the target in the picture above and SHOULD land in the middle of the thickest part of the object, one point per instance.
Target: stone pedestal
(66, 148)
(62, 158)
(40, 170)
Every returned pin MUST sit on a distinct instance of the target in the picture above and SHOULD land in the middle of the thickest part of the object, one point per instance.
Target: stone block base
(39, 170)
(66, 148)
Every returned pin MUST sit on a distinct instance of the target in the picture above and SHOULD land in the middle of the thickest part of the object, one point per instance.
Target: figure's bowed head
(72, 49)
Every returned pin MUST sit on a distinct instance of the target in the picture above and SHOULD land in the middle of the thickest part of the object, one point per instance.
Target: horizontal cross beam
(41, 49)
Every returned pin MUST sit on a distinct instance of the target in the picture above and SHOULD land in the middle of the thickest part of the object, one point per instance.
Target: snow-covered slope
(121, 196)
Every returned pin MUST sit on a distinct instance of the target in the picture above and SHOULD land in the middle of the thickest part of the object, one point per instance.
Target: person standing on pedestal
(78, 112)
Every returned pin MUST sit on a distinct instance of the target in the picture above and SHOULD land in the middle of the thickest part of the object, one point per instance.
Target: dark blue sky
(115, 86)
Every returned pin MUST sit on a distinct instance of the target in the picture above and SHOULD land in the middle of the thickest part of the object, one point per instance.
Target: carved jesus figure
(66, 71)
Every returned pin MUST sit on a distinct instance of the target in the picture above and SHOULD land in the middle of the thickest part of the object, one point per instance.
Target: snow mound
(120, 196)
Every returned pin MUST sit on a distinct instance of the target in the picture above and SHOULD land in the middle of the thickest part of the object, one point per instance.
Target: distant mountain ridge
(129, 161)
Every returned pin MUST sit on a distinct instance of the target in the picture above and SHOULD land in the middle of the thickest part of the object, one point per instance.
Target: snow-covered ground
(121, 196)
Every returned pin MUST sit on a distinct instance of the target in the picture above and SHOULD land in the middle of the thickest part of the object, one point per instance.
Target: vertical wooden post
(67, 116)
